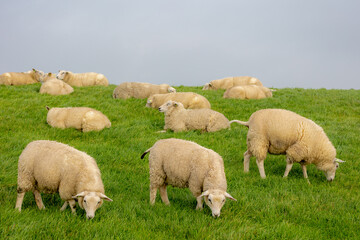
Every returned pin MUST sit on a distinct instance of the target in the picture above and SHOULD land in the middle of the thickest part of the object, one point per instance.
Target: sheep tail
(47, 108)
(240, 122)
(143, 155)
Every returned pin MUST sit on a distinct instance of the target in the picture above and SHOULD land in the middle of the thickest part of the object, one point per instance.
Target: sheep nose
(216, 215)
(159, 109)
(89, 216)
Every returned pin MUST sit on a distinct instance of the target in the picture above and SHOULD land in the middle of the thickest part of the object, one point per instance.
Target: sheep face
(39, 75)
(149, 103)
(330, 172)
(215, 199)
(169, 105)
(207, 86)
(171, 90)
(61, 74)
(90, 202)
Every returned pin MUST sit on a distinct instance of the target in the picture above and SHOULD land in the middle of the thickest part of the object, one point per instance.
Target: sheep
(188, 99)
(140, 90)
(55, 87)
(82, 79)
(22, 78)
(177, 118)
(280, 131)
(248, 92)
(185, 164)
(82, 118)
(49, 76)
(226, 83)
(51, 167)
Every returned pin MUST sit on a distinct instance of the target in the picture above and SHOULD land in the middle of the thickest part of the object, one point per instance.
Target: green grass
(274, 208)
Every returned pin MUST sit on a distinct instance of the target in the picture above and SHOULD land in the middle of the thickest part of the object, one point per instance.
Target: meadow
(271, 208)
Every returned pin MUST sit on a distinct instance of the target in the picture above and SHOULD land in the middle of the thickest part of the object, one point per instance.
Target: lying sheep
(177, 118)
(188, 99)
(82, 118)
(248, 92)
(279, 131)
(82, 79)
(229, 82)
(50, 167)
(55, 87)
(140, 90)
(22, 78)
(185, 164)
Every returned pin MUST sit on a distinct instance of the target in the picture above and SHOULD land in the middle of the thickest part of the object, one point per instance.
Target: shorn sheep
(248, 92)
(22, 78)
(188, 99)
(140, 90)
(229, 82)
(177, 118)
(51, 167)
(280, 131)
(82, 118)
(185, 164)
(55, 87)
(82, 79)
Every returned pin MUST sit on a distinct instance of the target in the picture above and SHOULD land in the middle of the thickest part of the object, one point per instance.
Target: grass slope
(273, 208)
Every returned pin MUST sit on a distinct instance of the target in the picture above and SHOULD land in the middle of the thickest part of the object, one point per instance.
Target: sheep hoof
(199, 208)
(162, 131)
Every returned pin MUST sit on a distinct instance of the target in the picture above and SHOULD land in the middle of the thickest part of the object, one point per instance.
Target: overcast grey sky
(284, 43)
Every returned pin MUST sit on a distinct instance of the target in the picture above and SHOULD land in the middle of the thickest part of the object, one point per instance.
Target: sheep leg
(304, 171)
(38, 199)
(260, 164)
(19, 200)
(72, 204)
(247, 156)
(64, 206)
(153, 191)
(289, 165)
(163, 195)
(199, 205)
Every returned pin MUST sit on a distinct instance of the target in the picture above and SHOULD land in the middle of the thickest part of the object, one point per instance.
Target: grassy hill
(274, 208)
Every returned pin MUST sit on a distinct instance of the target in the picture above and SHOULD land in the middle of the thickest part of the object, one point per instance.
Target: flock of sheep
(49, 166)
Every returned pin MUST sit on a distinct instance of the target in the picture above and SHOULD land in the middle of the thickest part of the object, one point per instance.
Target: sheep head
(39, 75)
(170, 105)
(61, 74)
(90, 202)
(207, 86)
(331, 170)
(215, 199)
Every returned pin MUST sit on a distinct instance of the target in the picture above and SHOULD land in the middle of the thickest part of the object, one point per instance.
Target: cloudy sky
(297, 43)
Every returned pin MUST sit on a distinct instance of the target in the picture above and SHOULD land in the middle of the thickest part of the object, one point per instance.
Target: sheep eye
(210, 200)
(98, 202)
(84, 201)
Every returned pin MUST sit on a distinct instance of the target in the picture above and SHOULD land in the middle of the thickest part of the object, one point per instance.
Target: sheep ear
(49, 74)
(206, 193)
(229, 196)
(176, 104)
(210, 85)
(338, 160)
(34, 70)
(103, 196)
(82, 194)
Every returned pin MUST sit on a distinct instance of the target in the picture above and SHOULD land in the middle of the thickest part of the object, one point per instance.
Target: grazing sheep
(177, 118)
(50, 167)
(248, 92)
(82, 79)
(82, 118)
(140, 90)
(188, 99)
(22, 78)
(229, 82)
(279, 131)
(185, 164)
(55, 87)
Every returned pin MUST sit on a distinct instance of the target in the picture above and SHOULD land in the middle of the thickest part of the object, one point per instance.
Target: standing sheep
(82, 79)
(188, 99)
(55, 87)
(82, 118)
(229, 82)
(140, 90)
(185, 164)
(248, 92)
(177, 118)
(279, 131)
(22, 78)
(50, 167)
